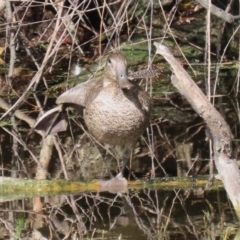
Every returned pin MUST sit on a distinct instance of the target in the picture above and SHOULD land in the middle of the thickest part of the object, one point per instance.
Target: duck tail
(53, 121)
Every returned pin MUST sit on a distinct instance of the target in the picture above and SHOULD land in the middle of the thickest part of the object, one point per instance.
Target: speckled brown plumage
(116, 111)
(113, 115)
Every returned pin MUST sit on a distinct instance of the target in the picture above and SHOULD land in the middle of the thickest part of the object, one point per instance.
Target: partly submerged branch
(221, 133)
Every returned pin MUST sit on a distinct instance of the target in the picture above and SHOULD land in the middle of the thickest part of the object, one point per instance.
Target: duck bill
(123, 81)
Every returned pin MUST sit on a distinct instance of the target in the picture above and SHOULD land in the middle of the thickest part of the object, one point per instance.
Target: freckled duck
(116, 111)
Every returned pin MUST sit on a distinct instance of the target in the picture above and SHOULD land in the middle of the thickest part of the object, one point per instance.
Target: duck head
(116, 67)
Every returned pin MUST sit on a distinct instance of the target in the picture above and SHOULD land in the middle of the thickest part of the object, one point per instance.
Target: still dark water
(136, 214)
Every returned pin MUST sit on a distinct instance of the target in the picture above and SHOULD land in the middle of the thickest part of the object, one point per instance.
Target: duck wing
(82, 94)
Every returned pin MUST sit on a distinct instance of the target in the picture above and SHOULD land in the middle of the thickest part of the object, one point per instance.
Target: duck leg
(125, 160)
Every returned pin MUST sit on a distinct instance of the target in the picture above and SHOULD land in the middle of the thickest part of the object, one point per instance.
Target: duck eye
(109, 61)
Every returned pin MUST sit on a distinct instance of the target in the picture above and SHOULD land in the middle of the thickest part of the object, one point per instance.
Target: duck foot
(114, 185)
